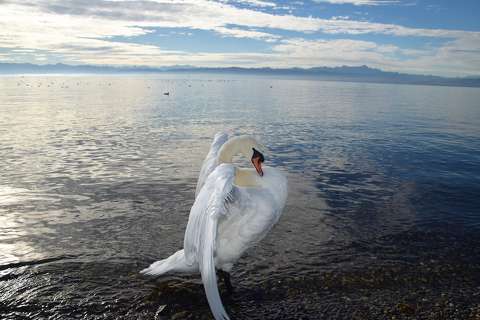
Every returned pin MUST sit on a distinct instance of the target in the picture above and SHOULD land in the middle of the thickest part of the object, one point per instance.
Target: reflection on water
(98, 174)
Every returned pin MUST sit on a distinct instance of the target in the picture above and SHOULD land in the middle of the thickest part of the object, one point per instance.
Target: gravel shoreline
(426, 290)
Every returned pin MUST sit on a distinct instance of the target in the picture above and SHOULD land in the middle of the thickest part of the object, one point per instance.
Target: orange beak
(258, 165)
(257, 160)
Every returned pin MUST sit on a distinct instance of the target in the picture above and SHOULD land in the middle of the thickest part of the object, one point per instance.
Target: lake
(98, 174)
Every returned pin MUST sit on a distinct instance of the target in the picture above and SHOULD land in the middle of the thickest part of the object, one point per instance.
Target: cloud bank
(106, 33)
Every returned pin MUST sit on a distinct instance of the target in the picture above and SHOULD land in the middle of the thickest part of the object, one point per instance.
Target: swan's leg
(226, 279)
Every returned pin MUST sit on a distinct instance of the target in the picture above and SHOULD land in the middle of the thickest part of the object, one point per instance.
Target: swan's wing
(210, 162)
(200, 236)
(252, 212)
(209, 204)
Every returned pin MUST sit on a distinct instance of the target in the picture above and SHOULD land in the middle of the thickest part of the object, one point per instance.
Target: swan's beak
(257, 160)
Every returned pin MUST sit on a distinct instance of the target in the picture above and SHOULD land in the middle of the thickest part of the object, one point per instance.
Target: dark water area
(98, 174)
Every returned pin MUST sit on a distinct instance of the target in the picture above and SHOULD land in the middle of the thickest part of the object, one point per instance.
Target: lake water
(98, 173)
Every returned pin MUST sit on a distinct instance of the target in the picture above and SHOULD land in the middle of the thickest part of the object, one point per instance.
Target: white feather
(211, 160)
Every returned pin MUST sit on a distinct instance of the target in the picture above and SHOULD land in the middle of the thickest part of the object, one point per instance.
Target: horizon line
(184, 68)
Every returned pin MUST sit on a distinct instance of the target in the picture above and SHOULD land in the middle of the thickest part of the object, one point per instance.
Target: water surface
(97, 176)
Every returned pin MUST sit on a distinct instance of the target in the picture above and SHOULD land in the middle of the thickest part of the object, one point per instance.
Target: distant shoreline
(361, 74)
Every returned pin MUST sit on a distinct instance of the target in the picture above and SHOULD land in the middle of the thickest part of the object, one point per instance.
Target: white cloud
(135, 16)
(197, 14)
(311, 53)
(252, 34)
(257, 3)
(455, 58)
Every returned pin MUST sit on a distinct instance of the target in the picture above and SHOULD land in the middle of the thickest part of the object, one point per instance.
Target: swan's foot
(226, 279)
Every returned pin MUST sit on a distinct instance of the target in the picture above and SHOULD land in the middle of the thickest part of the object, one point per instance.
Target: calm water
(97, 176)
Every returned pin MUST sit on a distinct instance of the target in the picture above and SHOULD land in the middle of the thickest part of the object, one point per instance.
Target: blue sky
(414, 36)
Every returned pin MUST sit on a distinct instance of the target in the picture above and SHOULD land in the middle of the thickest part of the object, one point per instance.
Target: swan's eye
(257, 154)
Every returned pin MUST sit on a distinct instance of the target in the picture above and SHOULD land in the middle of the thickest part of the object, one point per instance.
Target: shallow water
(97, 176)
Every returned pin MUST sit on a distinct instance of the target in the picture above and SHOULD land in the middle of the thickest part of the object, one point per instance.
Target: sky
(439, 37)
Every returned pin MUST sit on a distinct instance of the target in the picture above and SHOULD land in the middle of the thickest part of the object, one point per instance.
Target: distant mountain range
(344, 73)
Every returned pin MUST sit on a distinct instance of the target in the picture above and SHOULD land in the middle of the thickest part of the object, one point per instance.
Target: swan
(233, 210)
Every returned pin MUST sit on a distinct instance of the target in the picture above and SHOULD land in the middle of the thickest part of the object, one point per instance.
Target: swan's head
(246, 146)
(257, 160)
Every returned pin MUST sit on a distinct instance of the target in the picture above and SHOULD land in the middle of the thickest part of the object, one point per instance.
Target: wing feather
(210, 162)
(207, 270)
(200, 237)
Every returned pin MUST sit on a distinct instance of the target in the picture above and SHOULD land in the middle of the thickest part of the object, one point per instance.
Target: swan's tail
(175, 263)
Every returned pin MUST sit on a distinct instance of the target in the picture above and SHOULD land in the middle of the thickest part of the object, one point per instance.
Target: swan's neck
(226, 154)
(231, 148)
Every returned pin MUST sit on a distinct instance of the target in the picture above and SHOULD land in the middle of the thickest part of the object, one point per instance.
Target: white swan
(234, 210)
